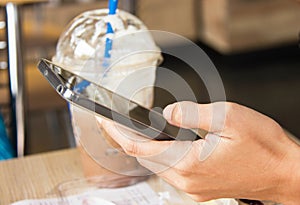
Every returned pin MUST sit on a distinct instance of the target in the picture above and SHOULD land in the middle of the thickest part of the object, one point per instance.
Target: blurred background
(254, 45)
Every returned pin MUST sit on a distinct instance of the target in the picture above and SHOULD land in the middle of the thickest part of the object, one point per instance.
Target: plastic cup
(131, 73)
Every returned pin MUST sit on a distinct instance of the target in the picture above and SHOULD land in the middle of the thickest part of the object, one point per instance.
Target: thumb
(210, 117)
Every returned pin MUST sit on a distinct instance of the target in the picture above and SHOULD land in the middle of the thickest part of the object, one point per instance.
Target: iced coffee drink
(130, 72)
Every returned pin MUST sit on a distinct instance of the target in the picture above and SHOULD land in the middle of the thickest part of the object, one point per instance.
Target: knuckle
(230, 115)
(226, 113)
(218, 114)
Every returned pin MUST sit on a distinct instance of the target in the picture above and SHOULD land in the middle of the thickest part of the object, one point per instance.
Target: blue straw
(108, 42)
(80, 87)
(112, 7)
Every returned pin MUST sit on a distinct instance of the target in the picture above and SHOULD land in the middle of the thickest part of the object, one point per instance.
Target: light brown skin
(252, 157)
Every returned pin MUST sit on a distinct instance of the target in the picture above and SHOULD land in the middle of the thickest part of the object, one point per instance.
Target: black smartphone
(83, 93)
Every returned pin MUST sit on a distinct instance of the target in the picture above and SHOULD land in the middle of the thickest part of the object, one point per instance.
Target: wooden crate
(242, 25)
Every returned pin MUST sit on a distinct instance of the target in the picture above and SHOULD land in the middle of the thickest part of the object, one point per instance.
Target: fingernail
(167, 113)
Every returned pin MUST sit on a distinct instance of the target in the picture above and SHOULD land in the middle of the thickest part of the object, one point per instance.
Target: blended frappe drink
(130, 72)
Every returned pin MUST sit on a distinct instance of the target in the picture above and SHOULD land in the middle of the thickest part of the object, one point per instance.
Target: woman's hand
(244, 155)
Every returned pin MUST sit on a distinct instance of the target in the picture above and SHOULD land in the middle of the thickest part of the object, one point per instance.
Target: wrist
(289, 188)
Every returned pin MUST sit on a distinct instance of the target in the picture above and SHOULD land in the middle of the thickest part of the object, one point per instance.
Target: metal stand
(16, 73)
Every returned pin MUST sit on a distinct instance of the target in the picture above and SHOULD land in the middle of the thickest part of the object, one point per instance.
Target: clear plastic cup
(82, 191)
(105, 191)
(130, 73)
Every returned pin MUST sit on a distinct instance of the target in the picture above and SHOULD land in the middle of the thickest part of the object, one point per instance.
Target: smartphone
(83, 93)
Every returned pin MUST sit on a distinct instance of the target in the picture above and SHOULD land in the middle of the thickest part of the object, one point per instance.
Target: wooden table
(34, 176)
